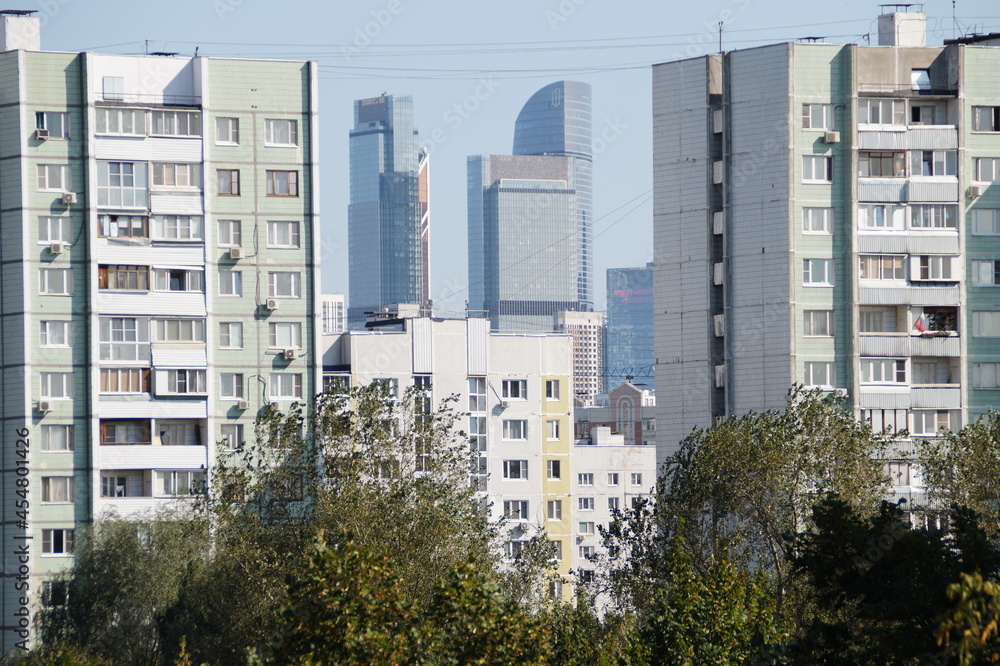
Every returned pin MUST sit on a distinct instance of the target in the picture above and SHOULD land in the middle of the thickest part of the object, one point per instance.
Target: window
(228, 182)
(585, 479)
(817, 272)
(636, 479)
(883, 371)
(129, 122)
(920, 79)
(817, 220)
(928, 113)
(179, 483)
(941, 319)
(179, 433)
(934, 268)
(179, 330)
(986, 324)
(587, 552)
(282, 183)
(123, 339)
(613, 478)
(986, 375)
(613, 504)
(881, 267)
(586, 528)
(928, 371)
(817, 169)
(556, 586)
(552, 429)
(123, 226)
(54, 178)
(58, 489)
(514, 389)
(819, 373)
(121, 184)
(881, 112)
(56, 333)
(899, 473)
(284, 335)
(986, 221)
(934, 216)
(231, 436)
(124, 380)
(286, 385)
(477, 394)
(51, 228)
(585, 503)
(227, 131)
(881, 164)
(126, 432)
(515, 469)
(57, 385)
(391, 384)
(513, 548)
(169, 174)
(113, 87)
(818, 323)
(117, 485)
(230, 283)
(557, 549)
(933, 162)
(283, 285)
(984, 273)
(877, 320)
(56, 122)
(930, 422)
(230, 233)
(178, 227)
(123, 278)
(515, 509)
(184, 381)
(554, 509)
(515, 429)
(165, 279)
(55, 593)
(57, 438)
(231, 386)
(280, 132)
(169, 122)
(231, 335)
(57, 542)
(553, 469)
(986, 169)
(986, 118)
(282, 233)
(551, 389)
(817, 116)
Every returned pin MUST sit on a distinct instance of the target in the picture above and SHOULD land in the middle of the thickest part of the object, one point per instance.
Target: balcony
(905, 344)
(905, 295)
(936, 397)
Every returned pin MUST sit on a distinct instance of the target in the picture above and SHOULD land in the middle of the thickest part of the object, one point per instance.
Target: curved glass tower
(556, 120)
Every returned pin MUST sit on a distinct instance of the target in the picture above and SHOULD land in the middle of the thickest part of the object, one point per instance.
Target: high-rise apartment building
(388, 216)
(530, 215)
(587, 329)
(829, 215)
(159, 281)
(628, 335)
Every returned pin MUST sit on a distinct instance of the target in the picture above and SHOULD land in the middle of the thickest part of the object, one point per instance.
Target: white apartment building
(587, 329)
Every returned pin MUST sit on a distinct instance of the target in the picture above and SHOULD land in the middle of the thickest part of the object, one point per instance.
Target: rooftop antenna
(145, 49)
(954, 19)
(720, 36)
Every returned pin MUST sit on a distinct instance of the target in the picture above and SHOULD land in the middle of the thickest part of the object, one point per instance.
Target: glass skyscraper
(387, 215)
(628, 346)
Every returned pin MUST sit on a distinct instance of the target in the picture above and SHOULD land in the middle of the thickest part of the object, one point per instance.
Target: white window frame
(55, 333)
(281, 183)
(881, 217)
(817, 169)
(553, 470)
(118, 121)
(928, 422)
(986, 170)
(817, 272)
(58, 490)
(986, 323)
(552, 430)
(986, 376)
(552, 389)
(933, 216)
(934, 268)
(284, 284)
(895, 108)
(227, 182)
(54, 177)
(227, 131)
(586, 527)
(515, 509)
(515, 429)
(883, 370)
(937, 162)
(613, 479)
(986, 218)
(817, 117)
(52, 228)
(174, 122)
(231, 436)
(635, 479)
(585, 479)
(514, 389)
(281, 132)
(178, 330)
(817, 220)
(986, 272)
(283, 233)
(231, 284)
(184, 382)
(231, 335)
(230, 233)
(585, 503)
(56, 385)
(188, 280)
(57, 542)
(175, 175)
(56, 122)
(819, 374)
(553, 510)
(231, 386)
(986, 118)
(66, 440)
(285, 386)
(284, 334)
(886, 267)
(818, 323)
(515, 470)
(126, 381)
(178, 482)
(122, 184)
(872, 163)
(477, 394)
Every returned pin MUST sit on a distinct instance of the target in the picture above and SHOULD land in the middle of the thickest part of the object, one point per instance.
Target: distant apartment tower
(628, 335)
(530, 215)
(587, 329)
(829, 215)
(388, 214)
(160, 251)
(333, 314)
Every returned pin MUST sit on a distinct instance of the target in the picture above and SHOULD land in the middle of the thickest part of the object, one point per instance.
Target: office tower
(388, 215)
(628, 336)
(587, 329)
(829, 215)
(333, 314)
(556, 120)
(159, 243)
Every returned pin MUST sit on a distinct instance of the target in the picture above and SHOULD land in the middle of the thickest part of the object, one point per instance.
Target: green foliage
(970, 626)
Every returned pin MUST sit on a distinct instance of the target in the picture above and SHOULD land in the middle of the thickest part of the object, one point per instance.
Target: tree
(971, 627)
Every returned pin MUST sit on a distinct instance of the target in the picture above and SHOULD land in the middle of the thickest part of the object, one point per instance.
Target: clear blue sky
(470, 66)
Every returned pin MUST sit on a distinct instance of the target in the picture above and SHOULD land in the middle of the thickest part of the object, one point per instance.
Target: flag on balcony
(921, 323)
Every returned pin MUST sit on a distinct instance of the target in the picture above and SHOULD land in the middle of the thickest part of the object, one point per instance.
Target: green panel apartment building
(159, 280)
(829, 215)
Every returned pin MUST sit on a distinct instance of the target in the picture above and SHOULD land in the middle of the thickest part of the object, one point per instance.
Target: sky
(470, 66)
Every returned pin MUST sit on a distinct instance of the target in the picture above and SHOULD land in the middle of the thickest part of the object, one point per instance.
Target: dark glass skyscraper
(628, 347)
(387, 215)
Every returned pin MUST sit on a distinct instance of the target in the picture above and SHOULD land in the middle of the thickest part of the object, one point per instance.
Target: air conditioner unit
(579, 538)
(840, 393)
(57, 247)
(831, 137)
(271, 304)
(44, 406)
(236, 253)
(41, 133)
(523, 527)
(243, 404)
(291, 354)
(975, 191)
(504, 404)
(69, 198)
